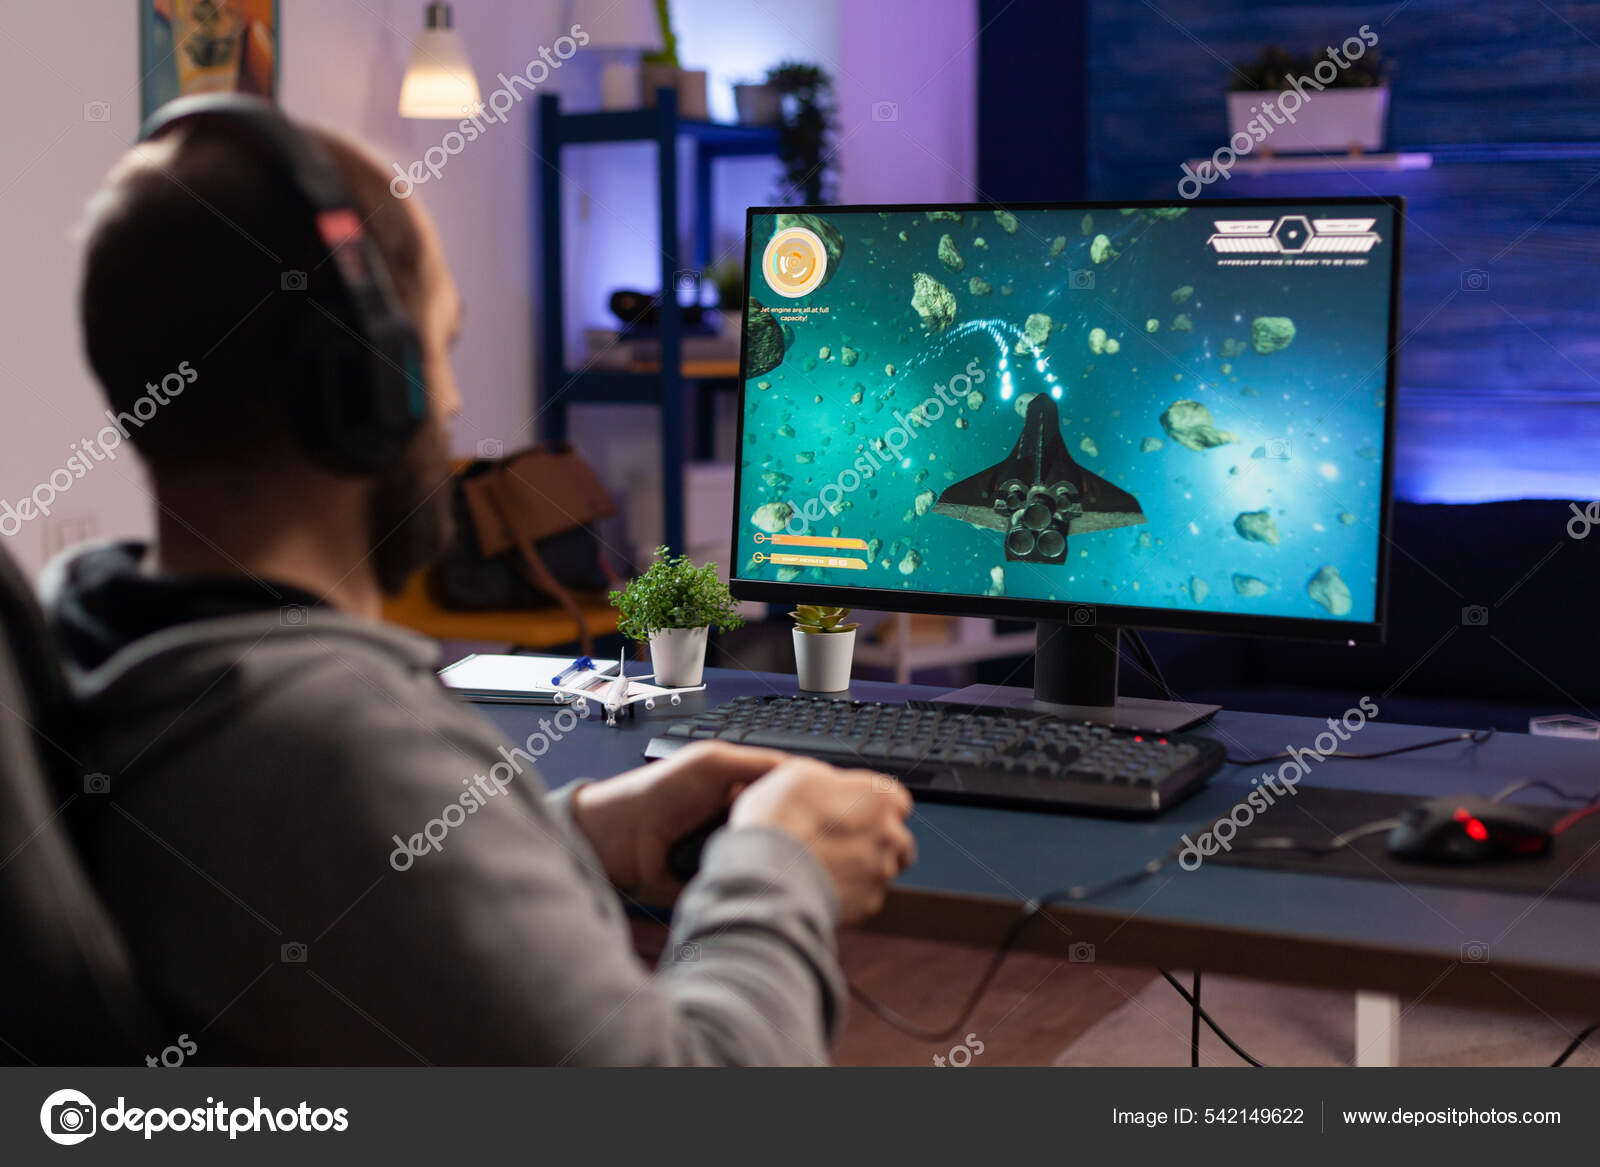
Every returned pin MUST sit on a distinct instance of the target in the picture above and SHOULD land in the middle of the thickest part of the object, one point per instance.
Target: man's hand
(853, 821)
(634, 819)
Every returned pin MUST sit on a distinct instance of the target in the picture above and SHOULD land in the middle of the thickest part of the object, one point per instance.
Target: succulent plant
(811, 618)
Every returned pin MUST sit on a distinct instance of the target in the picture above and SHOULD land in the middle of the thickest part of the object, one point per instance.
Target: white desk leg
(1377, 1029)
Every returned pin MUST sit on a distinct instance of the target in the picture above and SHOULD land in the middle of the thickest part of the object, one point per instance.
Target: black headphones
(361, 398)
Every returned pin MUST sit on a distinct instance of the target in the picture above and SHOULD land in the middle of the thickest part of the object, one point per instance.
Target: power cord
(1476, 736)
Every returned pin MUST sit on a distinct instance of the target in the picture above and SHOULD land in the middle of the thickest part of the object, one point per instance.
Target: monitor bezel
(1066, 611)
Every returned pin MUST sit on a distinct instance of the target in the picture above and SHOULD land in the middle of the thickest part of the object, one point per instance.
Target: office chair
(68, 993)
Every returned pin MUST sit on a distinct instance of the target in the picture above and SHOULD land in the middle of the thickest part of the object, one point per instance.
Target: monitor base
(1138, 713)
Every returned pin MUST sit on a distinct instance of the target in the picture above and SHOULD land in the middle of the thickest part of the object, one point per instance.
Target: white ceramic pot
(1334, 119)
(758, 105)
(822, 659)
(678, 656)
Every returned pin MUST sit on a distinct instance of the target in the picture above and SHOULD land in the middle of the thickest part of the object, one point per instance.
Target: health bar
(820, 561)
(820, 541)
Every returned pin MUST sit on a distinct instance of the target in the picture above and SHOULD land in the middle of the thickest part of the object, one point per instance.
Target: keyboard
(973, 754)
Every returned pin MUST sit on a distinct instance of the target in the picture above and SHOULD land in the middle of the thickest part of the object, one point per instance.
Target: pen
(576, 666)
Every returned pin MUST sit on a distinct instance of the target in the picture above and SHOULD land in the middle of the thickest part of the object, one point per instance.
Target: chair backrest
(68, 992)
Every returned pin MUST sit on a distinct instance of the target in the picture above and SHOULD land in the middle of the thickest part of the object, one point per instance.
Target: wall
(341, 66)
(1499, 372)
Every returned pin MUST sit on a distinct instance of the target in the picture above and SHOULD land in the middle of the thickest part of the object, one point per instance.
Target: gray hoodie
(260, 773)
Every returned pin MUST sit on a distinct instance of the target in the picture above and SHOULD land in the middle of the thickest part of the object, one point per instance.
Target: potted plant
(662, 71)
(824, 642)
(673, 606)
(805, 125)
(1337, 107)
(756, 103)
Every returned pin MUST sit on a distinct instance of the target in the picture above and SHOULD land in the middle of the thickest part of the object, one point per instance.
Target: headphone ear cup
(356, 408)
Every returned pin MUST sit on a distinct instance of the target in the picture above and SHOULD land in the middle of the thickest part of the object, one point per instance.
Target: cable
(1573, 1048)
(1008, 941)
(1148, 660)
(1574, 818)
(1476, 736)
(1206, 1017)
(1530, 783)
(1194, 1026)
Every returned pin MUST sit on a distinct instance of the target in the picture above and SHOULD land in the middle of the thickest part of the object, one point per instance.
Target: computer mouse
(1468, 829)
(683, 858)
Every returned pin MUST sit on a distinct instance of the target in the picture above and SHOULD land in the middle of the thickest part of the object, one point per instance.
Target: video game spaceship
(1038, 496)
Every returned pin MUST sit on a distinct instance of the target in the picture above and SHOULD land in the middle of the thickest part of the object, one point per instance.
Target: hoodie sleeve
(452, 915)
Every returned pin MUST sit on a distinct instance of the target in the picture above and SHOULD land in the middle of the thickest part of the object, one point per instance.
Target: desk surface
(977, 865)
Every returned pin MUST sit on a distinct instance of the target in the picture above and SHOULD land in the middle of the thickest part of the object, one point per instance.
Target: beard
(411, 515)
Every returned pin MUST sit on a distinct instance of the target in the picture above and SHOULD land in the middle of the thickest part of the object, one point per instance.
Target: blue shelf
(665, 388)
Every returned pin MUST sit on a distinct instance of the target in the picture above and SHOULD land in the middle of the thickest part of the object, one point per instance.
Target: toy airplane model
(614, 694)
(1037, 496)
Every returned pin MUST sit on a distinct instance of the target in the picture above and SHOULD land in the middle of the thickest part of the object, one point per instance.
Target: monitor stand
(1075, 676)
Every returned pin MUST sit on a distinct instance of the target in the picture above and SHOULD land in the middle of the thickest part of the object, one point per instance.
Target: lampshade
(619, 24)
(439, 82)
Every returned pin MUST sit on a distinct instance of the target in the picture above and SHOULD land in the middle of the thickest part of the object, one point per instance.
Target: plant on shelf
(824, 643)
(673, 606)
(1276, 68)
(805, 130)
(727, 277)
(667, 54)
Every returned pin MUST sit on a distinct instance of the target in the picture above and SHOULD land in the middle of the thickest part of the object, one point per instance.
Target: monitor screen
(1163, 411)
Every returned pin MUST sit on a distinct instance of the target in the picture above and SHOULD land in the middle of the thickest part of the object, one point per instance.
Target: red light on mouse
(1476, 830)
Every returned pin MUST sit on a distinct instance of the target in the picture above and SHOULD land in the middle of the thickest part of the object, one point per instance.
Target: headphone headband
(361, 396)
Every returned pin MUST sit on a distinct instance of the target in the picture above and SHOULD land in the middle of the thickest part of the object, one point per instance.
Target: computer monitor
(1147, 414)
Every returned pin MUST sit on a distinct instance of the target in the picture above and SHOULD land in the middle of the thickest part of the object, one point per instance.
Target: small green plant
(728, 278)
(668, 53)
(674, 593)
(1276, 68)
(812, 619)
(805, 130)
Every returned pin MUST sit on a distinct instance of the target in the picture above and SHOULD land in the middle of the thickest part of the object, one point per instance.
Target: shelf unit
(662, 385)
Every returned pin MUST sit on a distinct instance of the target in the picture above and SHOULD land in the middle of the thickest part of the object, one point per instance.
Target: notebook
(528, 680)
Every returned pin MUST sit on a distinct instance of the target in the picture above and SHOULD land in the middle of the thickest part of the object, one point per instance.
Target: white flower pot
(823, 660)
(678, 656)
(1334, 119)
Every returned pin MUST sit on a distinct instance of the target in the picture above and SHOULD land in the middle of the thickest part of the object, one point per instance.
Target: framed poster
(206, 46)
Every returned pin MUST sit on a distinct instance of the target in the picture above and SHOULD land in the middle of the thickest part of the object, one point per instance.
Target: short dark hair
(194, 252)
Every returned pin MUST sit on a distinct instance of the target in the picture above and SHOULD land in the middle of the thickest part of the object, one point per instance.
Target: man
(269, 741)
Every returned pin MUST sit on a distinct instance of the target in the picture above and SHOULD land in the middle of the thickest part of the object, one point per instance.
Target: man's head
(199, 252)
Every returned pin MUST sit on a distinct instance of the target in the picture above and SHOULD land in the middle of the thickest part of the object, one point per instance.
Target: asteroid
(1101, 250)
(786, 431)
(1058, 245)
(786, 574)
(1113, 346)
(944, 216)
(1269, 334)
(1190, 425)
(804, 458)
(1370, 453)
(1007, 221)
(1152, 325)
(1249, 391)
(772, 517)
(979, 286)
(933, 302)
(981, 243)
(1005, 289)
(1249, 585)
(948, 255)
(824, 353)
(910, 563)
(1198, 589)
(1181, 323)
(1328, 588)
(1181, 295)
(1089, 448)
(1087, 225)
(888, 370)
(1097, 341)
(904, 238)
(1346, 518)
(763, 384)
(975, 400)
(923, 503)
(763, 340)
(1232, 347)
(1257, 527)
(861, 391)
(1036, 328)
(997, 581)
(1021, 404)
(1149, 445)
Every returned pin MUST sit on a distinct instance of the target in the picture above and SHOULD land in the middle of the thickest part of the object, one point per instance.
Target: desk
(1388, 941)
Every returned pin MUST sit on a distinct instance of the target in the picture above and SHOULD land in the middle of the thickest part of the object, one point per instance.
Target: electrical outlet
(63, 531)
